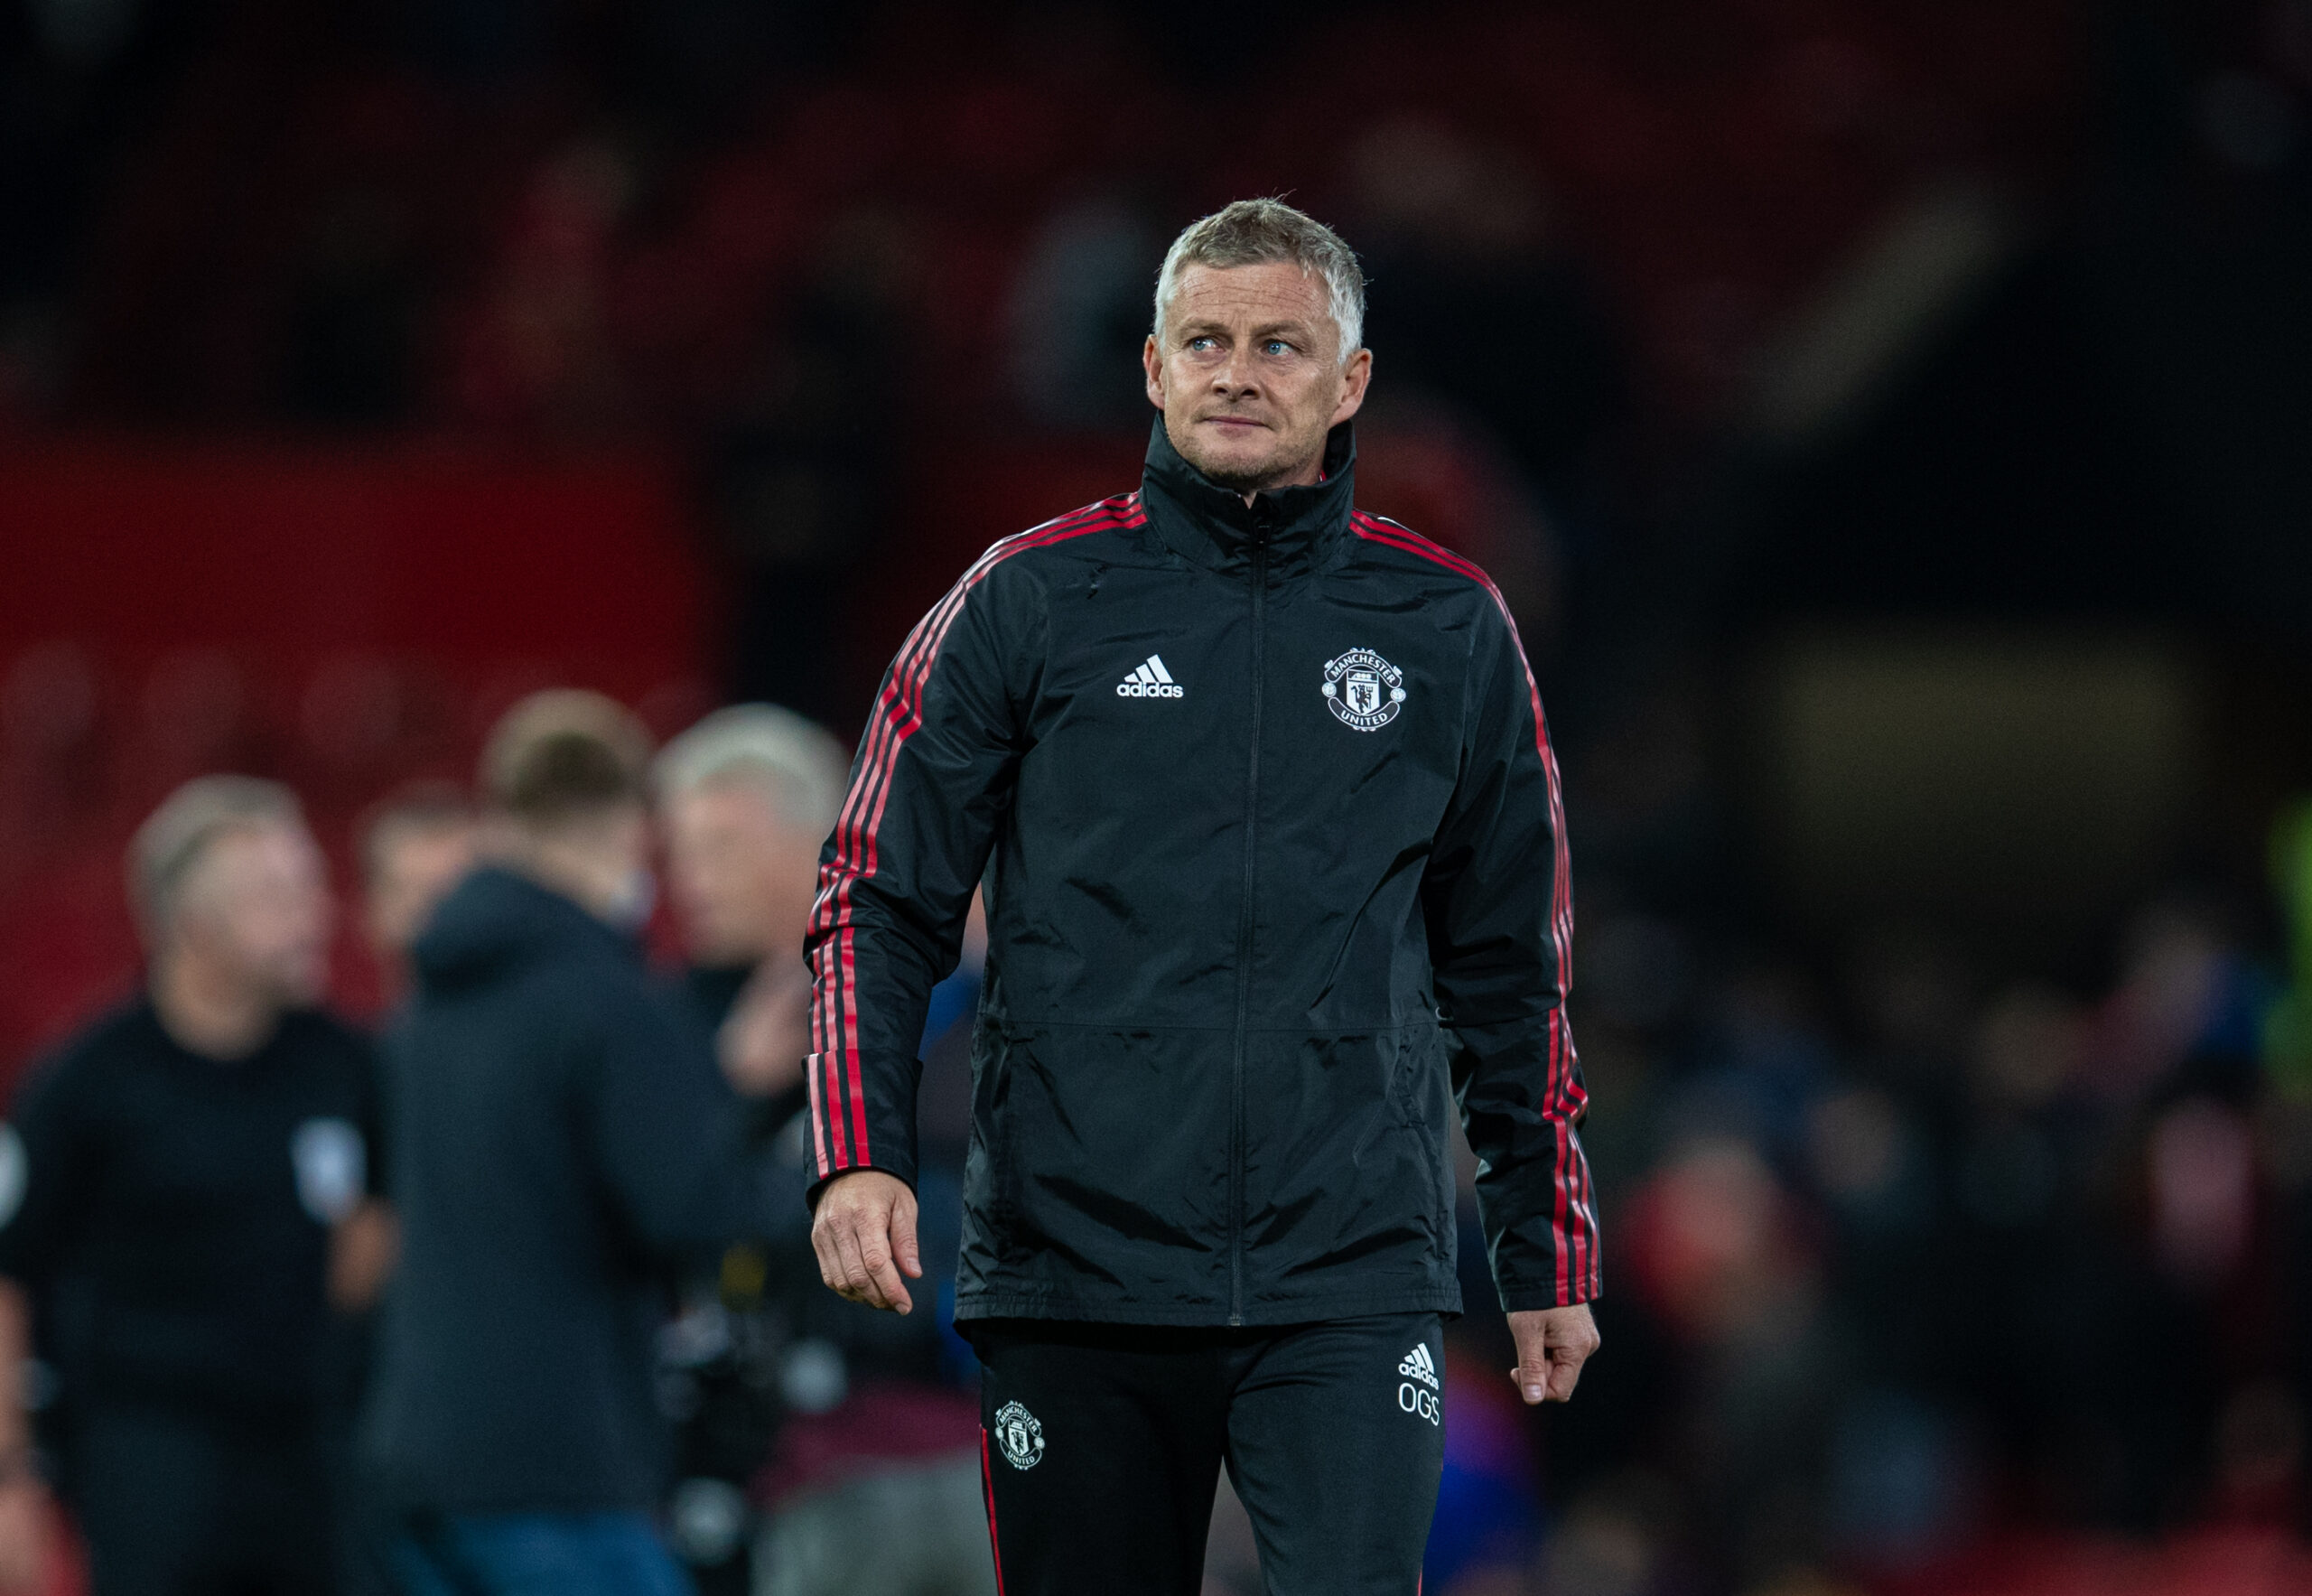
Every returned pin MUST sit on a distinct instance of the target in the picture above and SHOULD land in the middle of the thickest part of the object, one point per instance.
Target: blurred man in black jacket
(173, 1185)
(563, 1143)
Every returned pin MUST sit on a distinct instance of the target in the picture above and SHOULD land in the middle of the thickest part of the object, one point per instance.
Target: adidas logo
(1418, 1366)
(1150, 680)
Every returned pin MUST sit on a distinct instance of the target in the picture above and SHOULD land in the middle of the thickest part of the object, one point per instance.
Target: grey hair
(1258, 232)
(178, 834)
(799, 762)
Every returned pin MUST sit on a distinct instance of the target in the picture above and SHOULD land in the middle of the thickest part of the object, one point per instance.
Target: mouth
(1234, 425)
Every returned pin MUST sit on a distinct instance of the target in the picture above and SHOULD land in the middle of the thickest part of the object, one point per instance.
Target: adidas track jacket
(1276, 871)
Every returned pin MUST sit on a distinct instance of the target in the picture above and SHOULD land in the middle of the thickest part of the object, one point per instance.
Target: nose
(1238, 378)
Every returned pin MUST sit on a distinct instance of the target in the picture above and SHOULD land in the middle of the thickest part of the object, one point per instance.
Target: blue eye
(1277, 346)
(1198, 345)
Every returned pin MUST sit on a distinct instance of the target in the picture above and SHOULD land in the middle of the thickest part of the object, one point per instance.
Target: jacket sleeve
(1498, 898)
(933, 776)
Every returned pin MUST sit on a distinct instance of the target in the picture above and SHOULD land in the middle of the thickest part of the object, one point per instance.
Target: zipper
(1245, 942)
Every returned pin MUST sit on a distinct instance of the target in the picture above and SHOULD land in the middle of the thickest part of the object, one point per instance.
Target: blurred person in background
(174, 1184)
(875, 1480)
(1276, 876)
(564, 1146)
(414, 846)
(746, 798)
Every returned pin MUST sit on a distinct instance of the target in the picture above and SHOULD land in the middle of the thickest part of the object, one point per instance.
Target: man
(561, 1141)
(746, 797)
(1275, 868)
(878, 1496)
(414, 846)
(184, 1166)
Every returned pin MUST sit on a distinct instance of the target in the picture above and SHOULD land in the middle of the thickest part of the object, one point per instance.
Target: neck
(211, 1010)
(1306, 474)
(582, 867)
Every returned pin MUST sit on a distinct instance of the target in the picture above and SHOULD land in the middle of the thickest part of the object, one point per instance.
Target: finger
(822, 1246)
(903, 1239)
(856, 1281)
(1532, 1380)
(1565, 1373)
(890, 1291)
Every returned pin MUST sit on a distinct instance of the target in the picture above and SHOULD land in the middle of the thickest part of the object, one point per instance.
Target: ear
(1353, 378)
(1151, 362)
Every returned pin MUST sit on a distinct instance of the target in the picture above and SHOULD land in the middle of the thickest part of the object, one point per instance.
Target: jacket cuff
(1529, 1299)
(812, 1194)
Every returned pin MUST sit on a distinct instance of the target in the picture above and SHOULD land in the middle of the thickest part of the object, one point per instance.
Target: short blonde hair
(562, 754)
(177, 836)
(1260, 232)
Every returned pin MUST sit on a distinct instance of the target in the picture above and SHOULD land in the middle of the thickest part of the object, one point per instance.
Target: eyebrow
(1267, 330)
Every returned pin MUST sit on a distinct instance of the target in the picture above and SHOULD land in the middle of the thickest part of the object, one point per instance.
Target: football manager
(1260, 791)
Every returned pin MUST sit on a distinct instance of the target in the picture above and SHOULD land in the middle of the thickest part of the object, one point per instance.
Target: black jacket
(170, 1213)
(1275, 868)
(559, 1137)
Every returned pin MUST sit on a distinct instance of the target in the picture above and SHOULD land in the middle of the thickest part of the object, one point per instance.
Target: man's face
(1249, 375)
(412, 869)
(257, 904)
(740, 873)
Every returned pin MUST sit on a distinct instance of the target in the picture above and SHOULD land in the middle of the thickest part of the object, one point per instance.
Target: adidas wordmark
(1418, 1366)
(1149, 680)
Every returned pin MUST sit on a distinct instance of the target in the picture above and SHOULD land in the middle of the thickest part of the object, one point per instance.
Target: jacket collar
(1200, 520)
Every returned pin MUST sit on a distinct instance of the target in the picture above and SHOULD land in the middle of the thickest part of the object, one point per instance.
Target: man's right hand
(865, 1236)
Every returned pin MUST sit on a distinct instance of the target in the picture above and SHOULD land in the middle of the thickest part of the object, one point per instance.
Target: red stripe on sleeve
(1577, 1259)
(898, 716)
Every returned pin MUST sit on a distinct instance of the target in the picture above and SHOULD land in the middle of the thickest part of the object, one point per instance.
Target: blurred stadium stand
(344, 620)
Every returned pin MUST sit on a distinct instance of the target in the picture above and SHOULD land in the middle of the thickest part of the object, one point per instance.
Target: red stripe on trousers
(987, 1480)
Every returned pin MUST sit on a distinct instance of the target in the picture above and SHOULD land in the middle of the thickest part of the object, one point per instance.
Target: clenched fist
(1553, 1344)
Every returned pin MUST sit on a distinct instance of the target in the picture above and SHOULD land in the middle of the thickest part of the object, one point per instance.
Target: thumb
(1532, 1375)
(903, 1242)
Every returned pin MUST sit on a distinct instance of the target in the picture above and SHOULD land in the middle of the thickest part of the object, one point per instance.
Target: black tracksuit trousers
(1104, 1444)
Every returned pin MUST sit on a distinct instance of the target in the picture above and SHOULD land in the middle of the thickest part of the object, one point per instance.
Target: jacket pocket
(1424, 1098)
(1102, 1160)
(1342, 1169)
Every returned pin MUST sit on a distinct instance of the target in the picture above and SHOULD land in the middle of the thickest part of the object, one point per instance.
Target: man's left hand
(1553, 1344)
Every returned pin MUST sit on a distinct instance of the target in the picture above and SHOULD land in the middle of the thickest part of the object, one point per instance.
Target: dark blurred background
(1892, 423)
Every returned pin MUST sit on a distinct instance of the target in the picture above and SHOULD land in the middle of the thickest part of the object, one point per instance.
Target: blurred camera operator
(563, 1144)
(878, 1495)
(172, 1185)
(743, 796)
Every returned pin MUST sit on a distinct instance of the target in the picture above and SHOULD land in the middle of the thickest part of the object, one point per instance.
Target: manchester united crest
(1019, 1435)
(1364, 690)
